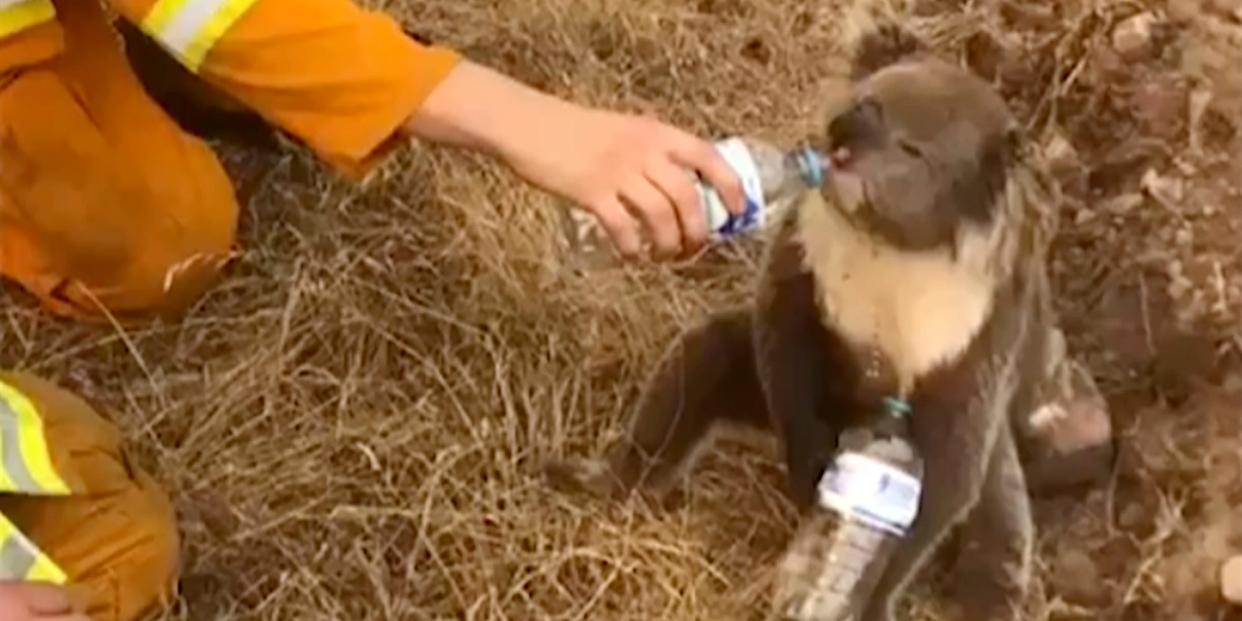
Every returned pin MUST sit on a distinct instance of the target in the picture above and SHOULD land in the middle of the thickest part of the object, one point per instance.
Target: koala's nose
(858, 126)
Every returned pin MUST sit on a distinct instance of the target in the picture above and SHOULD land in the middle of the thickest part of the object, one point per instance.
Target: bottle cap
(896, 407)
(811, 166)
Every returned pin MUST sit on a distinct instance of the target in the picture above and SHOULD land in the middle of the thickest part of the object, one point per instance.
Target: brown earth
(351, 423)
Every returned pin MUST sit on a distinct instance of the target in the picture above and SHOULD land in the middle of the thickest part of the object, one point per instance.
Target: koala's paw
(1074, 436)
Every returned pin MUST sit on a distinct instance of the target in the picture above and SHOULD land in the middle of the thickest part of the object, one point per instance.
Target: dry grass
(350, 424)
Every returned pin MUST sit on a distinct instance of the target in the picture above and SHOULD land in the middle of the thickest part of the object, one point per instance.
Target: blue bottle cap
(812, 166)
(897, 407)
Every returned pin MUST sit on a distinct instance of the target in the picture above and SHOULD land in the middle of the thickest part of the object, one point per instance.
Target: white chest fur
(918, 309)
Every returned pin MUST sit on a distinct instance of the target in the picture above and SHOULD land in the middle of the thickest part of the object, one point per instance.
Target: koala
(917, 272)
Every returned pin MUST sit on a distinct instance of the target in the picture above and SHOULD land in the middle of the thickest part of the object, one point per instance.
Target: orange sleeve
(30, 46)
(340, 78)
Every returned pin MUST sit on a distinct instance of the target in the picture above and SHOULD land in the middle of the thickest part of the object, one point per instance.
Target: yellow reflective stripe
(21, 559)
(190, 28)
(25, 461)
(216, 26)
(157, 18)
(22, 14)
(44, 570)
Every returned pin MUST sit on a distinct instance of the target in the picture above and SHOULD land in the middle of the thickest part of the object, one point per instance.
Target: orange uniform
(106, 204)
(105, 201)
(74, 511)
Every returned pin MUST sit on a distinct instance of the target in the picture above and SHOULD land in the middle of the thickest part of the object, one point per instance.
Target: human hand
(25, 601)
(630, 171)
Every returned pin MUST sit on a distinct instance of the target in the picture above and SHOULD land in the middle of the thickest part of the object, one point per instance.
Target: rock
(1231, 580)
(1083, 216)
(1167, 190)
(1076, 578)
(1133, 516)
(1061, 156)
(1132, 37)
(1123, 204)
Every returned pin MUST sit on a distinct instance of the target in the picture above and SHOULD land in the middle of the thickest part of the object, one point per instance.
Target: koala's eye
(871, 110)
(910, 149)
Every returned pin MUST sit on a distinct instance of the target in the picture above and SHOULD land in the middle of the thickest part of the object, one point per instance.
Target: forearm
(621, 167)
(480, 109)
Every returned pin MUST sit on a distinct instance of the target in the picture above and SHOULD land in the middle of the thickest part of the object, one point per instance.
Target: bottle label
(873, 492)
(720, 222)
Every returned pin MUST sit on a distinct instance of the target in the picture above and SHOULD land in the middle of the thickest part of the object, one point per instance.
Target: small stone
(1083, 216)
(1076, 578)
(1124, 204)
(1132, 37)
(1132, 516)
(1167, 190)
(1186, 167)
(1062, 157)
(1184, 237)
(1178, 288)
(1231, 580)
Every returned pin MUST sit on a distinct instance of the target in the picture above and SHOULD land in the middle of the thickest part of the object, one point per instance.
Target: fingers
(29, 600)
(675, 182)
(620, 226)
(653, 206)
(651, 179)
(703, 157)
(41, 599)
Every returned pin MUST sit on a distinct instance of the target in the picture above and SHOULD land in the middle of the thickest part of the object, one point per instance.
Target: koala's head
(921, 148)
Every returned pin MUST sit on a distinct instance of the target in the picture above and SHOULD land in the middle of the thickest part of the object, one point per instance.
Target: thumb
(35, 598)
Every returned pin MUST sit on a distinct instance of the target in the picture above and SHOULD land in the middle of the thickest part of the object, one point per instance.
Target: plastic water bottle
(768, 174)
(868, 498)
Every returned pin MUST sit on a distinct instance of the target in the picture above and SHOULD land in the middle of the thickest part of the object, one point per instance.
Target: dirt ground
(351, 423)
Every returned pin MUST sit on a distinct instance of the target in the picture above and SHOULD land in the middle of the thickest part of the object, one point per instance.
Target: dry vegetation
(350, 424)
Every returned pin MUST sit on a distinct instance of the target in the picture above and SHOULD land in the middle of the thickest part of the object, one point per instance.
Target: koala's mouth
(843, 184)
(841, 158)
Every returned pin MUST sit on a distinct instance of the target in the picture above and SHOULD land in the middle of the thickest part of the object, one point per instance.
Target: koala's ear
(879, 42)
(974, 195)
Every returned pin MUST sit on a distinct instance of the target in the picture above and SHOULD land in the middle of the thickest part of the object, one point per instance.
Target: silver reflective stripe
(17, 556)
(11, 449)
(187, 22)
(4, 4)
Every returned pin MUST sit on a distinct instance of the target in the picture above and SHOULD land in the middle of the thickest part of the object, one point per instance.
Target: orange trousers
(116, 537)
(108, 208)
(105, 203)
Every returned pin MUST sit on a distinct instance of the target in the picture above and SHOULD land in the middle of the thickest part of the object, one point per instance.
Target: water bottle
(768, 174)
(868, 498)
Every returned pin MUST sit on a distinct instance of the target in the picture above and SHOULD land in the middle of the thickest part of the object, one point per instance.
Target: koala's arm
(956, 423)
(795, 369)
